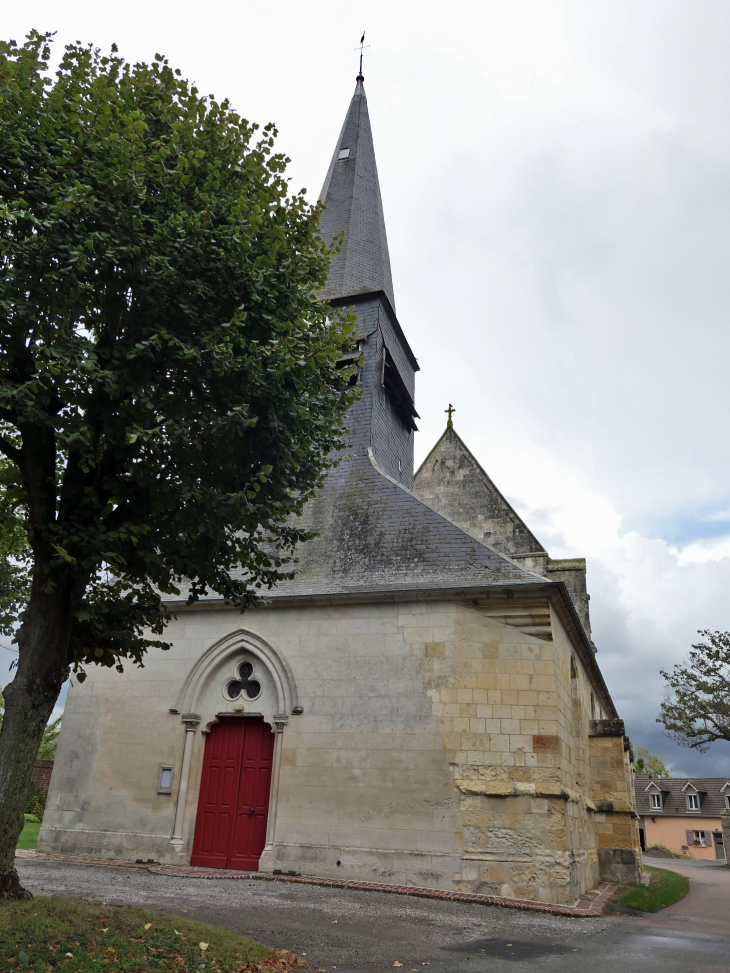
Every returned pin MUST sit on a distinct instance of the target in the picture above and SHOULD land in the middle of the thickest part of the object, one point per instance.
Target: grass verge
(29, 836)
(665, 889)
(81, 936)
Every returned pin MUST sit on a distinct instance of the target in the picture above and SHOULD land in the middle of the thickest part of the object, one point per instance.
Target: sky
(556, 185)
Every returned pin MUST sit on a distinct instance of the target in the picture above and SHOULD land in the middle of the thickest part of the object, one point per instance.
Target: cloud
(556, 182)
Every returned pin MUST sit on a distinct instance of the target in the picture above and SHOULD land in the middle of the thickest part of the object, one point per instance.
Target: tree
(699, 712)
(49, 740)
(14, 554)
(647, 762)
(169, 392)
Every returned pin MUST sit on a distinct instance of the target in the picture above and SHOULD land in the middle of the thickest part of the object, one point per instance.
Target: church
(420, 705)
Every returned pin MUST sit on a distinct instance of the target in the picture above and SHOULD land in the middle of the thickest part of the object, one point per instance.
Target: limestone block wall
(616, 820)
(436, 745)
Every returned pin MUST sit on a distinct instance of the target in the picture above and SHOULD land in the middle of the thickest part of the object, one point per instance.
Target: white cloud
(556, 180)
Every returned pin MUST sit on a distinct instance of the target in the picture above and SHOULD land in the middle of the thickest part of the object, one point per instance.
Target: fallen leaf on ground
(70, 955)
(203, 946)
(148, 925)
(397, 963)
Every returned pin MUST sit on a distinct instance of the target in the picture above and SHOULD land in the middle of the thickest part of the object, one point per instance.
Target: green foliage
(29, 835)
(36, 801)
(646, 762)
(14, 553)
(660, 851)
(38, 935)
(169, 396)
(32, 819)
(699, 712)
(665, 889)
(47, 749)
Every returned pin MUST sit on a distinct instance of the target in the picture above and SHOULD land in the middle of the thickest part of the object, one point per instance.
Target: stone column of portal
(190, 722)
(279, 722)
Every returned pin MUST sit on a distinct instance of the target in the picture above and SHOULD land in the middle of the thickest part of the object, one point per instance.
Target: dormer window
(655, 801)
(343, 154)
(693, 802)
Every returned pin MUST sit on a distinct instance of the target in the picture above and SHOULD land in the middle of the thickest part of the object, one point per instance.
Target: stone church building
(421, 705)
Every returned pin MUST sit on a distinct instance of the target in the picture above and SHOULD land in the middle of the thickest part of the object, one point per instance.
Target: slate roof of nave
(375, 535)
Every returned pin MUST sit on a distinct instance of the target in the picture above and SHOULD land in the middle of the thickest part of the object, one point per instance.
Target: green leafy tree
(169, 392)
(646, 762)
(49, 740)
(14, 553)
(698, 713)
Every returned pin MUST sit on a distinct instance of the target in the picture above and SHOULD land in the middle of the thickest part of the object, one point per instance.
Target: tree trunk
(43, 641)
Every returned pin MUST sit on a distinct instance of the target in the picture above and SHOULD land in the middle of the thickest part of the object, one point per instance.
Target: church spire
(351, 194)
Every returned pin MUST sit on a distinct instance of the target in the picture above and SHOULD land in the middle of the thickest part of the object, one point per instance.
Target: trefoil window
(246, 685)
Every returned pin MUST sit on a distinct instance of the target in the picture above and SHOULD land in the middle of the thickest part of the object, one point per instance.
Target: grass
(80, 936)
(29, 836)
(665, 889)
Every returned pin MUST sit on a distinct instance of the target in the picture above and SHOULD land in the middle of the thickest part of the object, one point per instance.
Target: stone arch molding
(203, 692)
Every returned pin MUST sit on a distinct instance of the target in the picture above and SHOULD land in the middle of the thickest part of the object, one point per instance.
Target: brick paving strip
(590, 906)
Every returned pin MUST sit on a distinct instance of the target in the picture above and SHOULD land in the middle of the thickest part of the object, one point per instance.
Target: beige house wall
(671, 833)
(439, 744)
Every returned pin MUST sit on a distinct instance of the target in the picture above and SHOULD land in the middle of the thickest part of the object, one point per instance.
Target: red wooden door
(230, 830)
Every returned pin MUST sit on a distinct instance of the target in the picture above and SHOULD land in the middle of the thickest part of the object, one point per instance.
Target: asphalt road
(369, 931)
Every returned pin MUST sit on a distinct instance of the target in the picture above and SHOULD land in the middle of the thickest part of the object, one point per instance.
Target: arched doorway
(233, 805)
(240, 693)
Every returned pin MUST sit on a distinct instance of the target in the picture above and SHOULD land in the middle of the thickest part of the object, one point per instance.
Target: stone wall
(437, 745)
(616, 820)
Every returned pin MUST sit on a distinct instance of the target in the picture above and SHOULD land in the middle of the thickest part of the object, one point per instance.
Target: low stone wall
(41, 776)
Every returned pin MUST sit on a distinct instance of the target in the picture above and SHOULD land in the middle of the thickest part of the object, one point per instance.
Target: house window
(699, 838)
(727, 802)
(693, 802)
(656, 802)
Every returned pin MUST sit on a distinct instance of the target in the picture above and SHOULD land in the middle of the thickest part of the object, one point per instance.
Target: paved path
(360, 932)
(706, 907)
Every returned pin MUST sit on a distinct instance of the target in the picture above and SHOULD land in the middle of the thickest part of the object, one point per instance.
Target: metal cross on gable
(451, 410)
(361, 47)
(244, 683)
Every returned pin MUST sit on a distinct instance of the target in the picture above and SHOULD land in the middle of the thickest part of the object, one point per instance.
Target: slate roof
(712, 801)
(351, 194)
(375, 535)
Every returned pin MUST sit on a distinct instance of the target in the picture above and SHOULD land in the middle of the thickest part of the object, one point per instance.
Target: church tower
(383, 421)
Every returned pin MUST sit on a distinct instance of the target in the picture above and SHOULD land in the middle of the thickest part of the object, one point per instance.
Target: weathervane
(451, 410)
(361, 48)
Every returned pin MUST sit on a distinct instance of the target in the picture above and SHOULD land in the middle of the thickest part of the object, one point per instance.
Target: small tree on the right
(698, 713)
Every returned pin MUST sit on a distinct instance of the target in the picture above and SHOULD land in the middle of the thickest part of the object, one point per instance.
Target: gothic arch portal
(204, 691)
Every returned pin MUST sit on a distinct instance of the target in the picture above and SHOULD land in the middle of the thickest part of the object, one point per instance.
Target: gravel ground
(366, 931)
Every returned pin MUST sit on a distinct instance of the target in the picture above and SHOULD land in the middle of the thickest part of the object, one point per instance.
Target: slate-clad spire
(351, 194)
